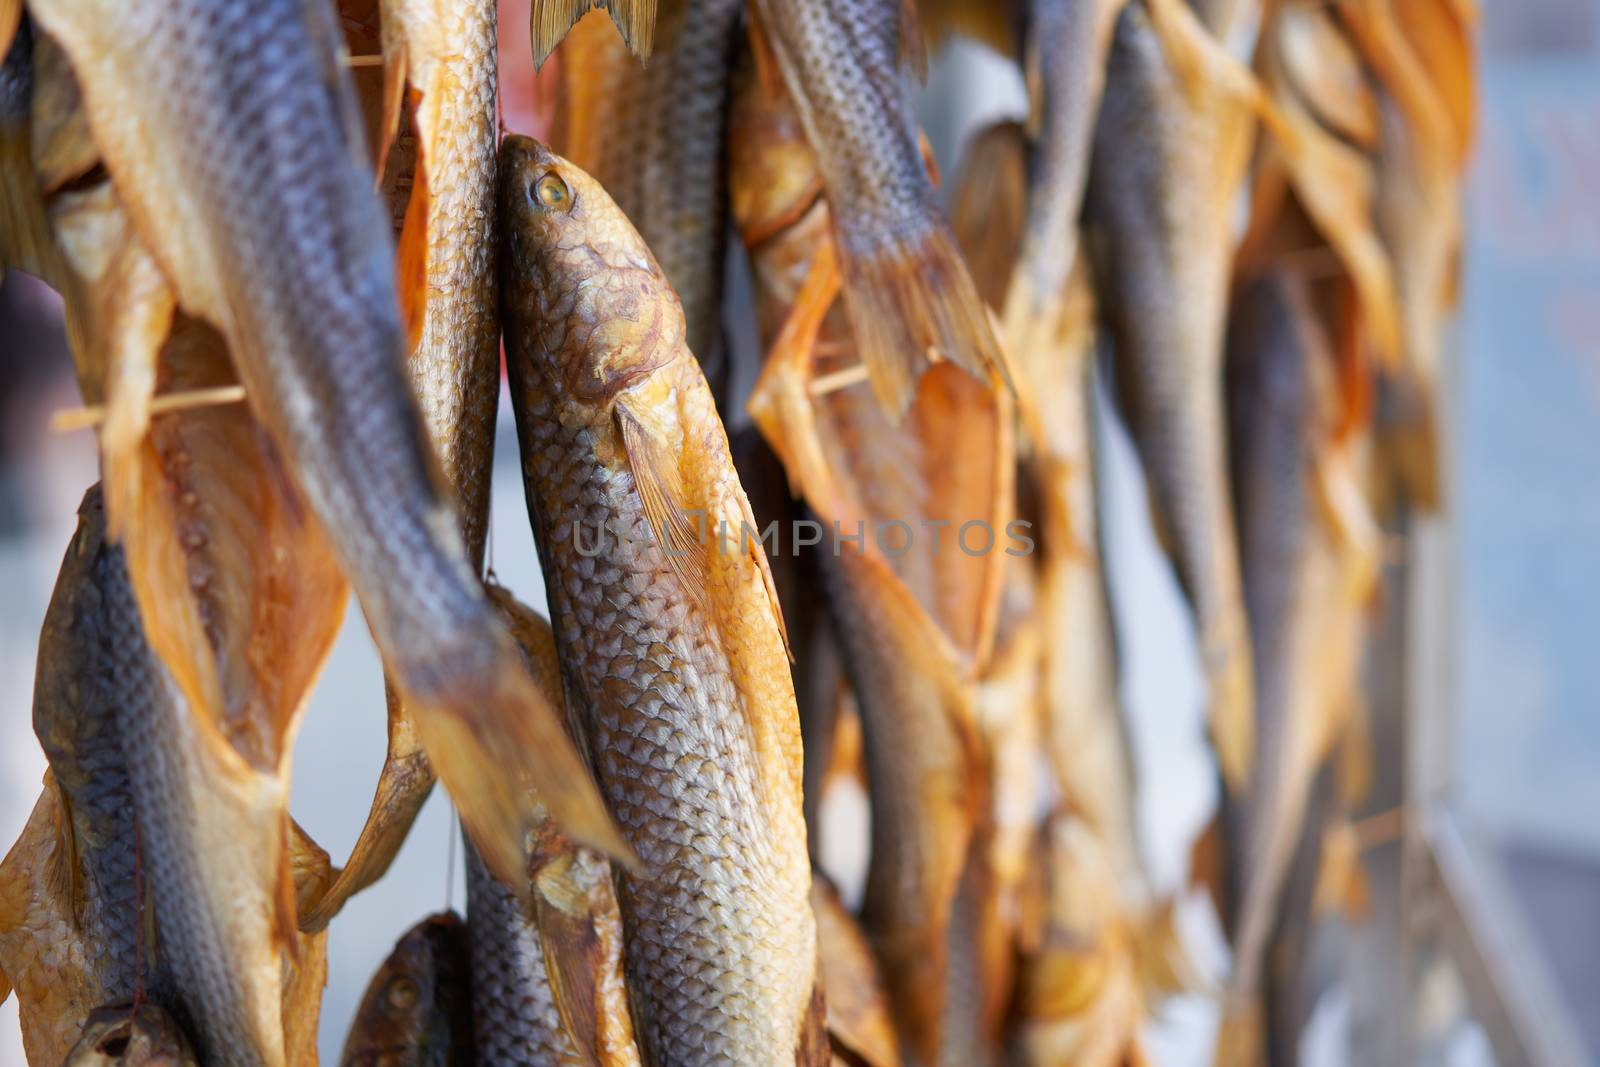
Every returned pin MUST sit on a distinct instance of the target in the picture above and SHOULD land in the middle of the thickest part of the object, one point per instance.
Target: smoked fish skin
(417, 1010)
(1170, 150)
(76, 702)
(672, 649)
(246, 176)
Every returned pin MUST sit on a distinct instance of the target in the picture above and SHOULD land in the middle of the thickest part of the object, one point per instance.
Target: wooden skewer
(94, 414)
(839, 379)
(364, 61)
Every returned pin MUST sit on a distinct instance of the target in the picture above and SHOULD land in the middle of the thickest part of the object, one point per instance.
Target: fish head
(122, 1036)
(580, 289)
(416, 1011)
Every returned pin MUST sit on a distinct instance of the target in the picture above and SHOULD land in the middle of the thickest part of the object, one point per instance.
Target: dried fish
(417, 1010)
(298, 276)
(671, 644)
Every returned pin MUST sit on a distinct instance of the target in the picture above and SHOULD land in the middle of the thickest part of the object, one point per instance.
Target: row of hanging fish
(292, 240)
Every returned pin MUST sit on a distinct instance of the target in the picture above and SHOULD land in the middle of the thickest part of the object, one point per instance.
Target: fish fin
(994, 23)
(1207, 862)
(404, 784)
(910, 306)
(1341, 883)
(285, 905)
(1166, 966)
(758, 557)
(411, 258)
(490, 734)
(769, 76)
(64, 875)
(780, 404)
(136, 328)
(570, 907)
(396, 68)
(309, 863)
(549, 21)
(662, 492)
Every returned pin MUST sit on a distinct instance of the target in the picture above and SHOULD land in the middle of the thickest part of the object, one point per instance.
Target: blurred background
(1491, 708)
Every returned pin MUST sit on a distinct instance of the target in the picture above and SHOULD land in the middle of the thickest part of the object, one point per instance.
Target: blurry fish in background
(417, 1010)
(908, 295)
(1170, 155)
(655, 136)
(915, 623)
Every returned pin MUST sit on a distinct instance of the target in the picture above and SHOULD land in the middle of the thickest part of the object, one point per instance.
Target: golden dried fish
(655, 138)
(908, 294)
(1080, 997)
(1068, 43)
(298, 276)
(549, 21)
(547, 988)
(1306, 585)
(913, 623)
(672, 647)
(440, 179)
(125, 1036)
(1420, 55)
(1174, 136)
(417, 1010)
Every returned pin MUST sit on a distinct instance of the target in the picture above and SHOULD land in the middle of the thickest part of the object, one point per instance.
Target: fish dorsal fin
(549, 21)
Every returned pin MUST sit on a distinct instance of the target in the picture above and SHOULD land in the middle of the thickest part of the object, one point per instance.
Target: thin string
(450, 862)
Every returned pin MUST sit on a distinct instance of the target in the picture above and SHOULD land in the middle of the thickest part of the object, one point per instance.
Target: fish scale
(76, 700)
(515, 1018)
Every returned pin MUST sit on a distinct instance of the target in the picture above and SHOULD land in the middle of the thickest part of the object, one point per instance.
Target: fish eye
(553, 193)
(401, 994)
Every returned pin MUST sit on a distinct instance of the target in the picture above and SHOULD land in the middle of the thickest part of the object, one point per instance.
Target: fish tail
(549, 21)
(490, 734)
(912, 305)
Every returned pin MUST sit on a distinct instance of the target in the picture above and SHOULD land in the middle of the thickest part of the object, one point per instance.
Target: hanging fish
(417, 1009)
(909, 296)
(298, 276)
(671, 643)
